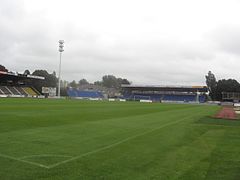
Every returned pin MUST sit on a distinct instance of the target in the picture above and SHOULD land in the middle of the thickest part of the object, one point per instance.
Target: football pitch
(73, 139)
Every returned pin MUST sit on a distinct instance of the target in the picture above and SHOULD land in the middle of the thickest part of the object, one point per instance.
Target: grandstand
(105, 91)
(18, 85)
(165, 93)
(231, 96)
(87, 91)
(84, 94)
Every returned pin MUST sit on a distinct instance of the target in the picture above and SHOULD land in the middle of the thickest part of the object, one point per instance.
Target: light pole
(61, 45)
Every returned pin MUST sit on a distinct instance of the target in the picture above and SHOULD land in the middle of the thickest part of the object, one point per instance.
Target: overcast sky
(146, 41)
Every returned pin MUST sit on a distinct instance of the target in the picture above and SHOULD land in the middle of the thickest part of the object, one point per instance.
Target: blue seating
(72, 93)
(202, 98)
(165, 97)
(84, 94)
(186, 98)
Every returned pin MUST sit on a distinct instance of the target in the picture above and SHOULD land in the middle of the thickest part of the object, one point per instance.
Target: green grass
(70, 139)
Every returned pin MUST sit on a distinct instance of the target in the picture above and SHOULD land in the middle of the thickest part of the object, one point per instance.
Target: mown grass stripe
(117, 143)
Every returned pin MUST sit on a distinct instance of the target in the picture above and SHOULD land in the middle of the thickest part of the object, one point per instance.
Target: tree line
(108, 81)
(215, 87)
(51, 80)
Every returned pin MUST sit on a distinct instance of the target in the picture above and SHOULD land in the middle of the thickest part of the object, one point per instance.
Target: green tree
(229, 85)
(2, 68)
(110, 81)
(123, 81)
(49, 81)
(83, 82)
(211, 84)
(73, 84)
(98, 83)
(26, 72)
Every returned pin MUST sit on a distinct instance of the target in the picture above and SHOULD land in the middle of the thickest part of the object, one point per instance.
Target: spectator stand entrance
(18, 85)
(165, 93)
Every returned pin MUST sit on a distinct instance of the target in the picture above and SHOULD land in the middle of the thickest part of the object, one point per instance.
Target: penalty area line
(24, 161)
(115, 144)
(45, 155)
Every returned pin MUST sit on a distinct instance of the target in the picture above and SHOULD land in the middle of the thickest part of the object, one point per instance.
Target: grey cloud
(30, 42)
(227, 39)
(11, 9)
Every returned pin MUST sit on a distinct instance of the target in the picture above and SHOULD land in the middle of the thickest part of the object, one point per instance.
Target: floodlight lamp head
(61, 41)
(61, 45)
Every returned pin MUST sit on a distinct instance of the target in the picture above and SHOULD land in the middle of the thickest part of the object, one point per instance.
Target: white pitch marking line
(114, 144)
(44, 155)
(91, 152)
(21, 160)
